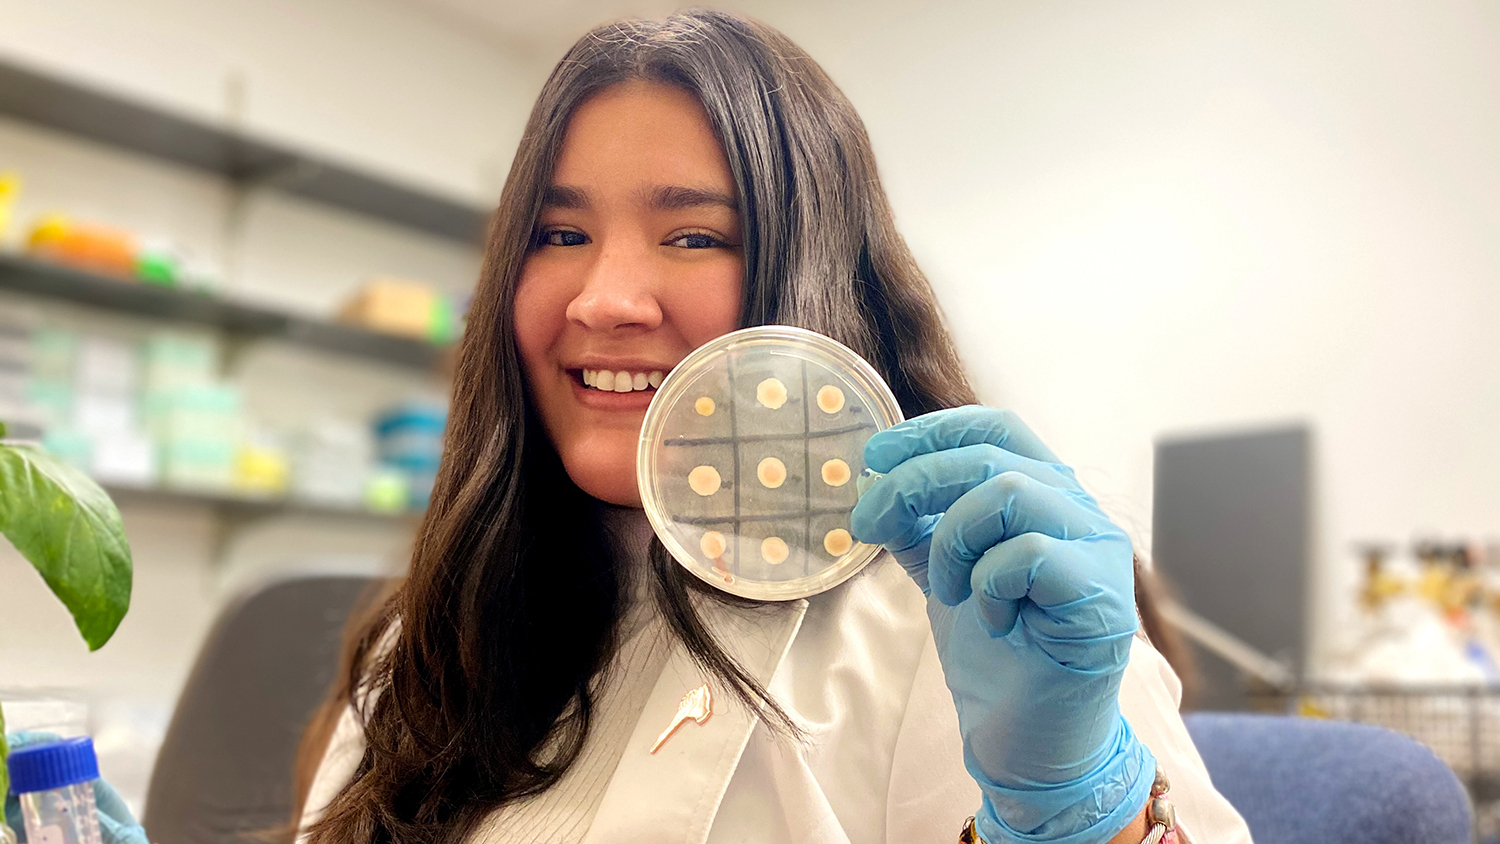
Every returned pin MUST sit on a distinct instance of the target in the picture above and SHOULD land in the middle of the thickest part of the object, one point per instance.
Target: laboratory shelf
(243, 508)
(234, 513)
(242, 320)
(90, 112)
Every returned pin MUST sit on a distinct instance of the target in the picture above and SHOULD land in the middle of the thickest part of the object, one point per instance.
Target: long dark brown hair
(485, 688)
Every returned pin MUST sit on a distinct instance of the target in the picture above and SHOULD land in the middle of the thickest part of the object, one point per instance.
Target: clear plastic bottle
(54, 783)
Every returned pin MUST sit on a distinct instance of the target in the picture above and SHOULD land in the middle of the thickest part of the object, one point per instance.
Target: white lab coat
(881, 762)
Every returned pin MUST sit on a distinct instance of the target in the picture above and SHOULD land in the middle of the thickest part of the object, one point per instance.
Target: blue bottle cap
(42, 767)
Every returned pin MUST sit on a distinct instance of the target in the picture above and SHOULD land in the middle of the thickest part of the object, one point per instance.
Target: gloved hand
(1031, 597)
(116, 824)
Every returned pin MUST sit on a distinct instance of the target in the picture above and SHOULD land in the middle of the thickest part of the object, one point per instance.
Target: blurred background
(1236, 262)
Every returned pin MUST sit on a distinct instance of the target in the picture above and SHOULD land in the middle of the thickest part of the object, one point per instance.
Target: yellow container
(10, 190)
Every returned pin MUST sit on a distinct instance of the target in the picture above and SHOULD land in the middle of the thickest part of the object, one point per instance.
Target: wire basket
(1461, 724)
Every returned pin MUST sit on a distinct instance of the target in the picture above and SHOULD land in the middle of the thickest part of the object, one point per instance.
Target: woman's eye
(696, 240)
(561, 237)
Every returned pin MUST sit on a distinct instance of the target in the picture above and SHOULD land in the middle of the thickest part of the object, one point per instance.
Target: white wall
(1158, 217)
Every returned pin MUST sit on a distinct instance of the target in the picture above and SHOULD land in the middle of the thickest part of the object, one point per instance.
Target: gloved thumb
(116, 823)
(113, 831)
(913, 558)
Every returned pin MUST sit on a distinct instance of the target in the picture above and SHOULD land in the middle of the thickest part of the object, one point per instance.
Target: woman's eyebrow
(563, 196)
(677, 197)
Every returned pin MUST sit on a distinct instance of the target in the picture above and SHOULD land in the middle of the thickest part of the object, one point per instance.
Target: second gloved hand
(1031, 598)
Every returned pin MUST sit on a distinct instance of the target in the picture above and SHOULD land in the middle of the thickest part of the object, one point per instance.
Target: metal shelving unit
(237, 512)
(240, 320)
(93, 113)
(118, 121)
(243, 508)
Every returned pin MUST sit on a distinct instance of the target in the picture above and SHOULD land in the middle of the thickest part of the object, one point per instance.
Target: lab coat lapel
(671, 797)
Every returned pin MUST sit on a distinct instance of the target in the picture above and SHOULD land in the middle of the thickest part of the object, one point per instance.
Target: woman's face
(637, 262)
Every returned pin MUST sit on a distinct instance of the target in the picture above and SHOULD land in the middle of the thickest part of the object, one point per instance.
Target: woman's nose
(618, 292)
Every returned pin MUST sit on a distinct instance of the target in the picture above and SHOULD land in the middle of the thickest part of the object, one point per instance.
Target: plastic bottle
(55, 785)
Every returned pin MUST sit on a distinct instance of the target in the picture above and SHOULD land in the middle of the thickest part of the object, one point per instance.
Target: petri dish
(749, 460)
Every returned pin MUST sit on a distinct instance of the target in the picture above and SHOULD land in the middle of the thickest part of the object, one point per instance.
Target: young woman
(678, 180)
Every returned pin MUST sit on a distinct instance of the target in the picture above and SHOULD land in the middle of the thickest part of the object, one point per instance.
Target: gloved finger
(1005, 506)
(1076, 597)
(13, 817)
(26, 738)
(954, 428)
(1105, 653)
(113, 830)
(114, 808)
(912, 555)
(928, 484)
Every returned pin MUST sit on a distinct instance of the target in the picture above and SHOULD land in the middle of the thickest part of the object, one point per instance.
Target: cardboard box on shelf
(392, 305)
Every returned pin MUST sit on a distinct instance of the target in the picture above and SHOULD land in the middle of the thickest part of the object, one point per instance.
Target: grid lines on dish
(807, 513)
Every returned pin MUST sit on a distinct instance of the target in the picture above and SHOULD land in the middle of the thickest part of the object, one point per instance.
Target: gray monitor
(1230, 534)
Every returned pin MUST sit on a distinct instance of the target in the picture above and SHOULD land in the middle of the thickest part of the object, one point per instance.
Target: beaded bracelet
(1160, 813)
(1161, 817)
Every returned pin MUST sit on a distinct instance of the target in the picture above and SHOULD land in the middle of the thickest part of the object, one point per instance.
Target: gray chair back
(224, 772)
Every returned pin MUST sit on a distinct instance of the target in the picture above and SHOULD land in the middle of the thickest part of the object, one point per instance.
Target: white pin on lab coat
(881, 760)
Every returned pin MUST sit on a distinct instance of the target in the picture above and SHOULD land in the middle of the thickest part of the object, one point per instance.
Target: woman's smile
(617, 385)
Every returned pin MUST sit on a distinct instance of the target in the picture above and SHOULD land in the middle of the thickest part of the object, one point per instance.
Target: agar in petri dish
(836, 472)
(765, 512)
(771, 472)
(704, 480)
(837, 542)
(774, 550)
(713, 544)
(771, 393)
(830, 399)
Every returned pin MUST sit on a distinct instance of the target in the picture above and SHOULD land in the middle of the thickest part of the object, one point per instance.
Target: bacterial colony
(758, 468)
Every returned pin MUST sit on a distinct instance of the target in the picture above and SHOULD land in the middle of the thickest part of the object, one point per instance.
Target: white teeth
(622, 382)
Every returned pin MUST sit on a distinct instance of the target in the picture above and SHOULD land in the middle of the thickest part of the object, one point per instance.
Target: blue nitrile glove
(116, 824)
(1031, 597)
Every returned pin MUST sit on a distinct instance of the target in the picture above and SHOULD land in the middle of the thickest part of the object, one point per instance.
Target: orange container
(85, 245)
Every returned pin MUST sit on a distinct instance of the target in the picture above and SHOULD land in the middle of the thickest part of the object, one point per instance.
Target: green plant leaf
(61, 521)
(4, 756)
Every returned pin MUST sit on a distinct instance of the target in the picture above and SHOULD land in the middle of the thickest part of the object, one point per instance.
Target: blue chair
(1305, 781)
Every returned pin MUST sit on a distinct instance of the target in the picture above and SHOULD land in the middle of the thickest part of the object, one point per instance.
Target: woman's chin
(610, 481)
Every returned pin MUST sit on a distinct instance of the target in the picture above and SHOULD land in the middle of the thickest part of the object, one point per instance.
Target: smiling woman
(637, 262)
(678, 180)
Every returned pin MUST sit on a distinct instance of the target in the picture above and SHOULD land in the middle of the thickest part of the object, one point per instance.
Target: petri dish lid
(748, 459)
